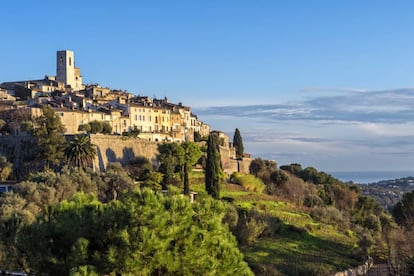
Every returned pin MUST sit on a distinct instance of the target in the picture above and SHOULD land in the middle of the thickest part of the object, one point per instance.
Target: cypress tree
(238, 144)
(213, 169)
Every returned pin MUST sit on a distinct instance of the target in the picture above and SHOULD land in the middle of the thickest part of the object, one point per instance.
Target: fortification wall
(229, 162)
(19, 151)
(244, 165)
(110, 148)
(121, 149)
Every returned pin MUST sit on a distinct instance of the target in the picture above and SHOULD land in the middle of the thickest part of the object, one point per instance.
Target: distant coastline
(366, 177)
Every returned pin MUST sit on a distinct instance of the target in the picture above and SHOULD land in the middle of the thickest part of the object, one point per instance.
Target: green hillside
(286, 238)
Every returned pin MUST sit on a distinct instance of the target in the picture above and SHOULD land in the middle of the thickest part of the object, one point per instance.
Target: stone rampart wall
(229, 162)
(121, 149)
(111, 148)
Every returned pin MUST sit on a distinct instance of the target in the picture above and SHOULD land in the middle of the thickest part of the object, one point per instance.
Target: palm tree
(80, 152)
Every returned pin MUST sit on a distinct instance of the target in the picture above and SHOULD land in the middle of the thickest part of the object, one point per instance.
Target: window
(61, 60)
(70, 61)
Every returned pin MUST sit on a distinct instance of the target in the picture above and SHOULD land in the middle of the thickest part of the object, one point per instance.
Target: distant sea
(366, 177)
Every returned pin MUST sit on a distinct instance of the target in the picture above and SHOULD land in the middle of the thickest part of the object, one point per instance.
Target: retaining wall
(360, 270)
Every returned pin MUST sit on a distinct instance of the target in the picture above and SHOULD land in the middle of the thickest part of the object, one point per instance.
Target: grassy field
(302, 246)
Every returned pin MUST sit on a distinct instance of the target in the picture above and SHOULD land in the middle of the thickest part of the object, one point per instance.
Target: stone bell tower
(66, 71)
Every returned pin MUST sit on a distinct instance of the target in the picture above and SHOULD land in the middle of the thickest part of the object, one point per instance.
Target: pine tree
(213, 169)
(238, 144)
(167, 236)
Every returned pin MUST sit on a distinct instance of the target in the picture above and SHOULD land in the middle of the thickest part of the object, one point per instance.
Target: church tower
(66, 71)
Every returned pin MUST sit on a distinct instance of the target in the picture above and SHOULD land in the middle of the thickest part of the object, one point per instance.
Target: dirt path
(379, 269)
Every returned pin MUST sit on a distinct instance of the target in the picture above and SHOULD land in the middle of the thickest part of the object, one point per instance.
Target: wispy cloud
(389, 106)
(332, 90)
(349, 128)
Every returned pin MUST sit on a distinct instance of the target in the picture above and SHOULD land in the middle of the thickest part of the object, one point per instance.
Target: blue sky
(323, 83)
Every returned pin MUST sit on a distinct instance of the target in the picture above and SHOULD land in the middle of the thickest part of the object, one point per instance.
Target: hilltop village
(150, 120)
(78, 104)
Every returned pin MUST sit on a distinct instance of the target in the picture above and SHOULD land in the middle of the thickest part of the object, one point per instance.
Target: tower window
(61, 60)
(70, 61)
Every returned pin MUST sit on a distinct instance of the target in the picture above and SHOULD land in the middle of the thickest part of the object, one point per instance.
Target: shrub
(252, 224)
(231, 217)
(138, 167)
(293, 190)
(84, 127)
(96, 127)
(106, 128)
(331, 215)
(294, 169)
(263, 169)
(249, 227)
(266, 269)
(153, 180)
(365, 243)
(248, 181)
(279, 177)
(372, 222)
(312, 198)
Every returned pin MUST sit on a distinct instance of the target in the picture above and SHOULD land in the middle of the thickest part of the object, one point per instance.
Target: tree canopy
(192, 154)
(49, 132)
(171, 157)
(178, 158)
